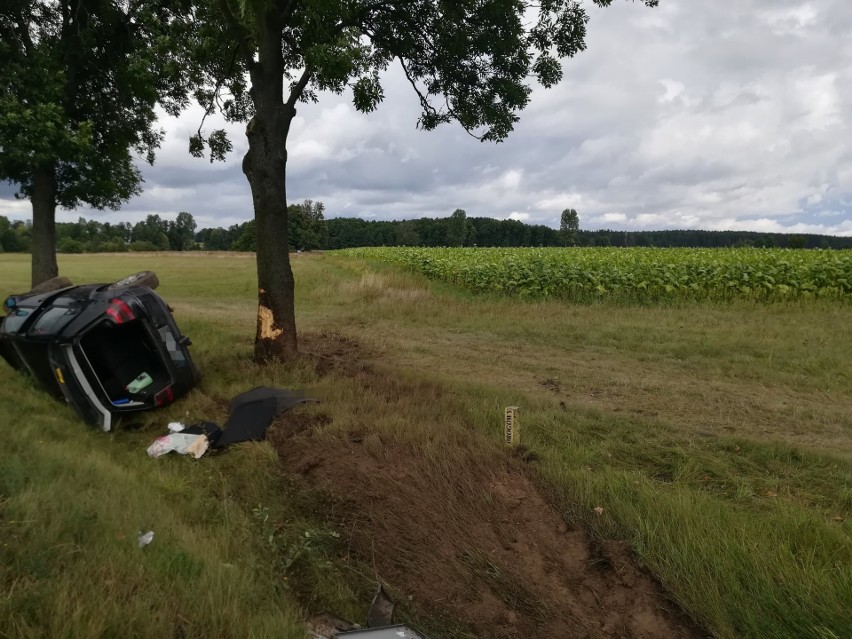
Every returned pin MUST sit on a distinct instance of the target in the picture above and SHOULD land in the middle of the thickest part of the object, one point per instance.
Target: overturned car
(107, 349)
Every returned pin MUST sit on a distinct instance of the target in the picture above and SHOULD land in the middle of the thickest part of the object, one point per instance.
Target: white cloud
(650, 219)
(610, 218)
(17, 209)
(673, 90)
(768, 225)
(511, 179)
(817, 99)
(796, 20)
(690, 115)
(561, 201)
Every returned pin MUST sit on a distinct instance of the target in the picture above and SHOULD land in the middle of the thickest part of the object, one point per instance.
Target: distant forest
(484, 231)
(309, 230)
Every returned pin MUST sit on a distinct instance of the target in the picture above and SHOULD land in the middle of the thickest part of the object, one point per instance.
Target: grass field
(714, 440)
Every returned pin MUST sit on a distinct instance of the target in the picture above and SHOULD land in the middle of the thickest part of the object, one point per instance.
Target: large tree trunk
(265, 166)
(43, 199)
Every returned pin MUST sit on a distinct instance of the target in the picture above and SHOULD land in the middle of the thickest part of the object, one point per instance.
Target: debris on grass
(388, 632)
(251, 414)
(326, 626)
(253, 411)
(379, 623)
(552, 384)
(182, 443)
(143, 539)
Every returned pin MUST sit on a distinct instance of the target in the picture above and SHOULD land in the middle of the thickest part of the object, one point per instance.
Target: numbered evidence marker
(512, 426)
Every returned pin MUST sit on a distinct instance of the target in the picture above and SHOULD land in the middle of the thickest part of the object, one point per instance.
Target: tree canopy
(307, 226)
(469, 61)
(569, 225)
(79, 80)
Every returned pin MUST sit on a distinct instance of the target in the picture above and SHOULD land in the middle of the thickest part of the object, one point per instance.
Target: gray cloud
(690, 115)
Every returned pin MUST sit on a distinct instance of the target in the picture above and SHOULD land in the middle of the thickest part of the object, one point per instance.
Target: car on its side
(106, 349)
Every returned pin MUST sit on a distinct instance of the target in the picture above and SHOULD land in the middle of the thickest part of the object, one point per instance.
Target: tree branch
(208, 110)
(423, 101)
(362, 13)
(242, 35)
(23, 25)
(427, 106)
(287, 11)
(380, 4)
(133, 7)
(296, 91)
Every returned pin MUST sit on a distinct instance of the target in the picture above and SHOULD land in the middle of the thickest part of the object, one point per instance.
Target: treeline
(712, 239)
(91, 236)
(307, 230)
(310, 231)
(459, 230)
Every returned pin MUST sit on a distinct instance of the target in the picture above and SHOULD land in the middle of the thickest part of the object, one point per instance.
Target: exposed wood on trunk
(265, 166)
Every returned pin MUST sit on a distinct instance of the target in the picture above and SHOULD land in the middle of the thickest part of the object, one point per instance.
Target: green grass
(715, 436)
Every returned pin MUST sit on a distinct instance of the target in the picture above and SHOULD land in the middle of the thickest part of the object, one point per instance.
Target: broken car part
(389, 632)
(253, 411)
(379, 623)
(251, 414)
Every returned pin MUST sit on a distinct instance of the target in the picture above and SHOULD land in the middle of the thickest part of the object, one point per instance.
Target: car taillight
(119, 311)
(165, 396)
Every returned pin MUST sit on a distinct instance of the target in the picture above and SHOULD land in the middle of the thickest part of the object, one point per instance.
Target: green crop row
(641, 274)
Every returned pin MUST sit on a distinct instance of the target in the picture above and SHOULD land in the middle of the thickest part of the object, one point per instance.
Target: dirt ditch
(466, 535)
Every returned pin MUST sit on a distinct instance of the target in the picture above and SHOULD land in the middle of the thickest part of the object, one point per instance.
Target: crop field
(633, 274)
(684, 469)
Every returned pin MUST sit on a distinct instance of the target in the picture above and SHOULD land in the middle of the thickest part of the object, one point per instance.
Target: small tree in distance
(181, 232)
(457, 228)
(307, 226)
(569, 226)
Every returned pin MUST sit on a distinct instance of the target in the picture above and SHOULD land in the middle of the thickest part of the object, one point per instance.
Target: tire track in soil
(467, 535)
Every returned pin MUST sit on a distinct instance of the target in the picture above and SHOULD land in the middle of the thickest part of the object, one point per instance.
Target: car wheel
(142, 278)
(53, 284)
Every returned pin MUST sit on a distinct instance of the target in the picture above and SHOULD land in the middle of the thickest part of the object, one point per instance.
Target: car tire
(48, 286)
(142, 278)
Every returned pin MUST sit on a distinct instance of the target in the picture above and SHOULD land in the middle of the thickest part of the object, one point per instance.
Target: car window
(15, 320)
(52, 321)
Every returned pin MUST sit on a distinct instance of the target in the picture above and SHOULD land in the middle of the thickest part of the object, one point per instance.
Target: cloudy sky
(713, 115)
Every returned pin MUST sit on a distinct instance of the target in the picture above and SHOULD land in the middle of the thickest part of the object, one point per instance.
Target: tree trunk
(265, 166)
(43, 199)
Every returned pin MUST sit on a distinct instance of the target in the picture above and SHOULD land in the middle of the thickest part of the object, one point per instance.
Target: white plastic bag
(143, 539)
(195, 445)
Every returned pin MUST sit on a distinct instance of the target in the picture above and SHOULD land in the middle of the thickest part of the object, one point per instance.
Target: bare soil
(332, 352)
(467, 536)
